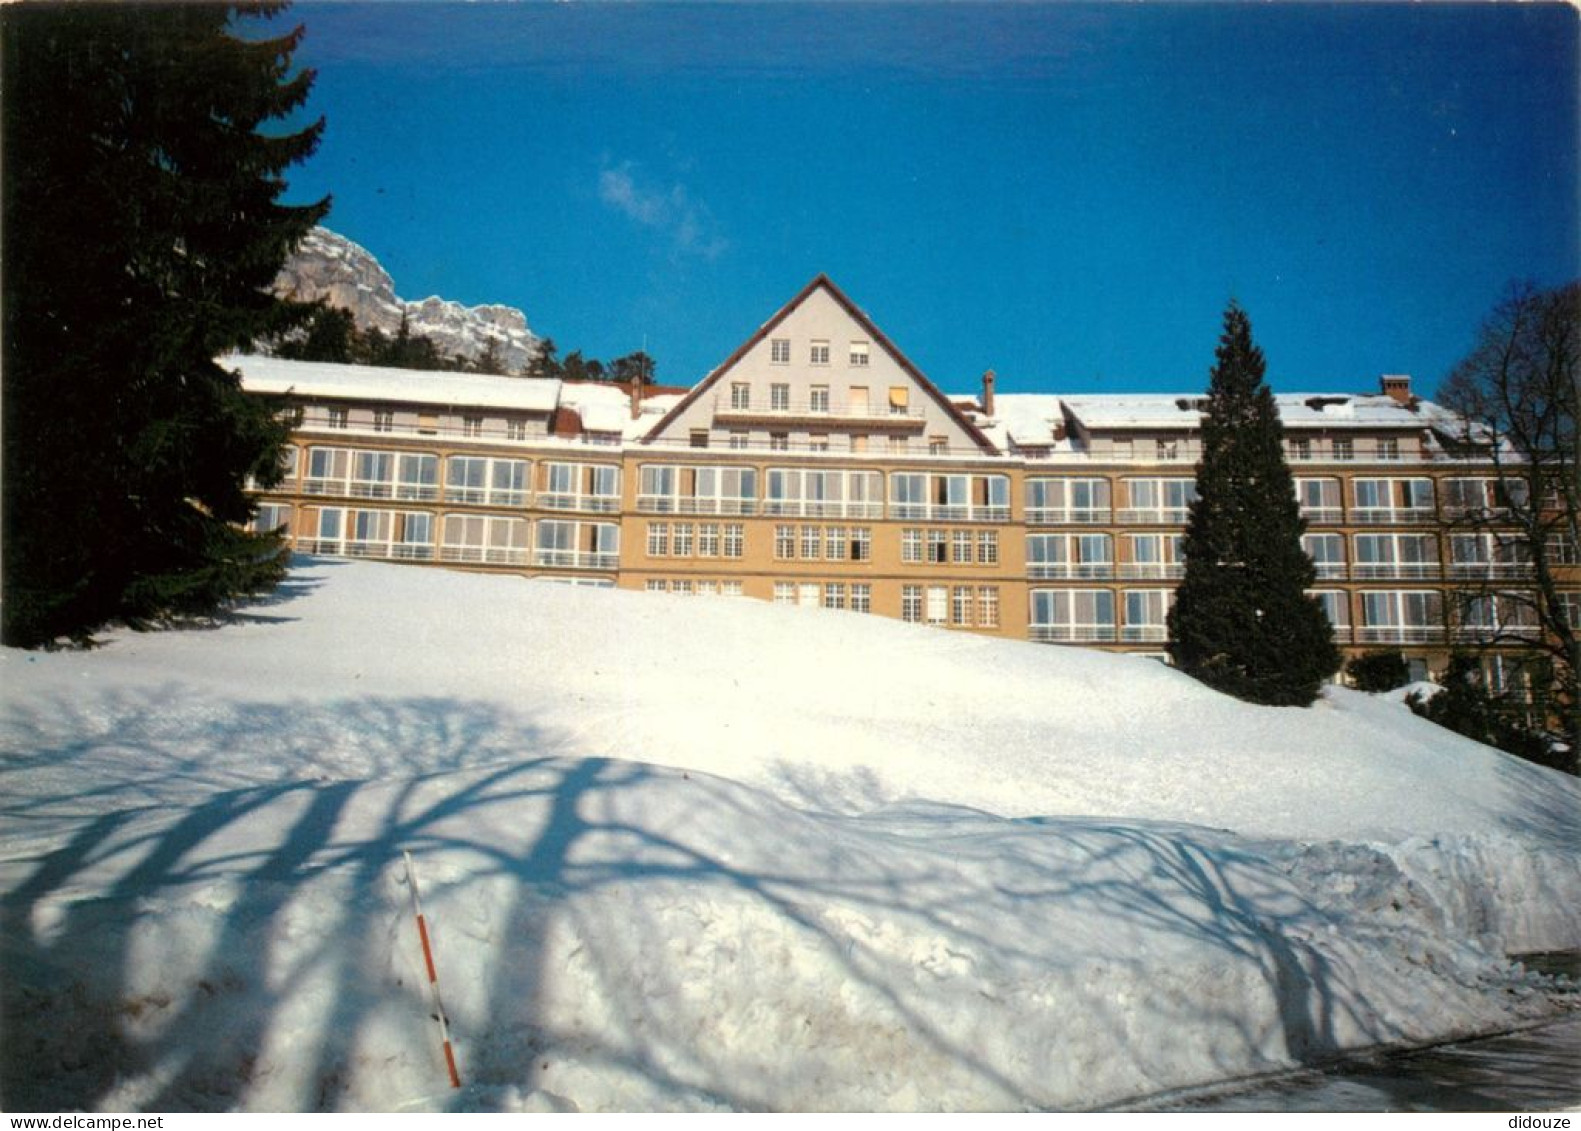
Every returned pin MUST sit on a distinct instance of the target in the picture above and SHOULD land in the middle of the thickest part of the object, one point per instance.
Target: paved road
(1534, 1070)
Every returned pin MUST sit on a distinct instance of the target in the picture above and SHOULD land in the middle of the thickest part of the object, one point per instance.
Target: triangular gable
(879, 339)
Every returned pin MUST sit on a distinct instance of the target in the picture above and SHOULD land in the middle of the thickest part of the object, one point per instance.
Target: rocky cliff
(328, 266)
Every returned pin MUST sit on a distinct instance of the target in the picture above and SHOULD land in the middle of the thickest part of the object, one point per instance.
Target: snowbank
(691, 853)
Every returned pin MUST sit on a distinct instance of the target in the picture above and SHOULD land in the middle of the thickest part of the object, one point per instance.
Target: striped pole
(433, 974)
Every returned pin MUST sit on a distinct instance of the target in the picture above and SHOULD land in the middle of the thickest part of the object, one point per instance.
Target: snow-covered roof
(1100, 412)
(603, 408)
(410, 386)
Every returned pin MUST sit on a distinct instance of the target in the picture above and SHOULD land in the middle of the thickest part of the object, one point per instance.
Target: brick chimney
(988, 393)
(1396, 386)
(636, 397)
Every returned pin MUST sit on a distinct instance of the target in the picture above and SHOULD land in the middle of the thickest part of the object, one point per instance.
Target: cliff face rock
(330, 267)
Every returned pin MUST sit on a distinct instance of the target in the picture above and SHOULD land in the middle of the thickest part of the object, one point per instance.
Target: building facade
(817, 466)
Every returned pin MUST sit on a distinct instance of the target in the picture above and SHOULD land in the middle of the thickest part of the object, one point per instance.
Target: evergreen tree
(142, 230)
(1242, 622)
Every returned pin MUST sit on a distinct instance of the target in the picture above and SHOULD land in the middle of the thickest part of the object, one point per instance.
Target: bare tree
(1517, 393)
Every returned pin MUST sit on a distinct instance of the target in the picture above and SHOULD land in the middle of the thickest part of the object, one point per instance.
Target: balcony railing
(1152, 571)
(1068, 516)
(949, 512)
(1152, 516)
(1144, 633)
(486, 495)
(829, 410)
(576, 559)
(1072, 633)
(1390, 516)
(1069, 571)
(484, 555)
(822, 508)
(584, 504)
(1400, 634)
(1323, 515)
(684, 504)
(1331, 571)
(1491, 570)
(366, 548)
(1405, 571)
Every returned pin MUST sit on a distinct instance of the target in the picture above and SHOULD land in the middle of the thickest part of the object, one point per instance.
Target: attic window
(1318, 404)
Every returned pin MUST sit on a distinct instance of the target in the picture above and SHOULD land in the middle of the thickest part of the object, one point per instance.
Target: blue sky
(1069, 194)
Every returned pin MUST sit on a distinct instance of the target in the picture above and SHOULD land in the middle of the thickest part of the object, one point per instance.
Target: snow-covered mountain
(328, 266)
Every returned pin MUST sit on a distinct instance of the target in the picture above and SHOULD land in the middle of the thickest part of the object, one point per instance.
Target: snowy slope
(691, 853)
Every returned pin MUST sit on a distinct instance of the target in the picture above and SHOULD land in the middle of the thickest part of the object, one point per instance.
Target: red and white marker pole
(433, 974)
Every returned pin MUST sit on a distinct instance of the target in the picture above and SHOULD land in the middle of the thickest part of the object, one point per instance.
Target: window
(1067, 500)
(272, 516)
(938, 604)
(817, 442)
(657, 585)
(911, 604)
(1319, 499)
(899, 400)
(1392, 500)
(859, 354)
(1168, 449)
(1158, 500)
(735, 539)
(683, 539)
(938, 547)
(338, 418)
(911, 545)
(1344, 449)
(861, 544)
(1561, 550)
(779, 398)
(1570, 605)
(779, 441)
(861, 597)
(834, 544)
(684, 588)
(785, 542)
(1396, 555)
(493, 539)
(515, 429)
(1327, 552)
(1301, 449)
(819, 354)
(938, 446)
(897, 445)
(708, 540)
(811, 543)
(961, 547)
(1336, 604)
(472, 426)
(784, 593)
(1401, 617)
(988, 606)
(809, 594)
(988, 547)
(834, 595)
(1388, 449)
(1146, 615)
(1069, 556)
(1124, 451)
(1072, 615)
(740, 395)
(383, 421)
(779, 351)
(856, 400)
(730, 588)
(961, 606)
(658, 539)
(740, 440)
(699, 437)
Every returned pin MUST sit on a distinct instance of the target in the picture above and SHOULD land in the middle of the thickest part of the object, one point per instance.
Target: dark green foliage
(633, 367)
(1242, 622)
(142, 232)
(1465, 707)
(1379, 670)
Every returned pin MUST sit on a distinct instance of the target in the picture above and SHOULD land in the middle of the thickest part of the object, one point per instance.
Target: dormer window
(779, 351)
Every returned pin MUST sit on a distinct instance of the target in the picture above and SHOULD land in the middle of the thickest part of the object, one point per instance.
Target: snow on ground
(691, 853)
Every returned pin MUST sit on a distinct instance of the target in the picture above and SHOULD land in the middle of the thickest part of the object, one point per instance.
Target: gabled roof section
(880, 339)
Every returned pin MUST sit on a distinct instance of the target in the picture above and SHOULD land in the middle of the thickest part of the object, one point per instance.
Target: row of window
(823, 543)
(855, 596)
(339, 418)
(1387, 616)
(960, 606)
(702, 540)
(462, 538)
(949, 547)
(694, 587)
(488, 480)
(818, 352)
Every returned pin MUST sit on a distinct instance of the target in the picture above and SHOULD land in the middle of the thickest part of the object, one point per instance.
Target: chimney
(988, 393)
(1396, 386)
(636, 397)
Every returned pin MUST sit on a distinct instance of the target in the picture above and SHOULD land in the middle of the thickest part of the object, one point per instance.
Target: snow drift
(689, 853)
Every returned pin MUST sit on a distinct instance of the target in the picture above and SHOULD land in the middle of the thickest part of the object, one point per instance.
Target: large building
(817, 466)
